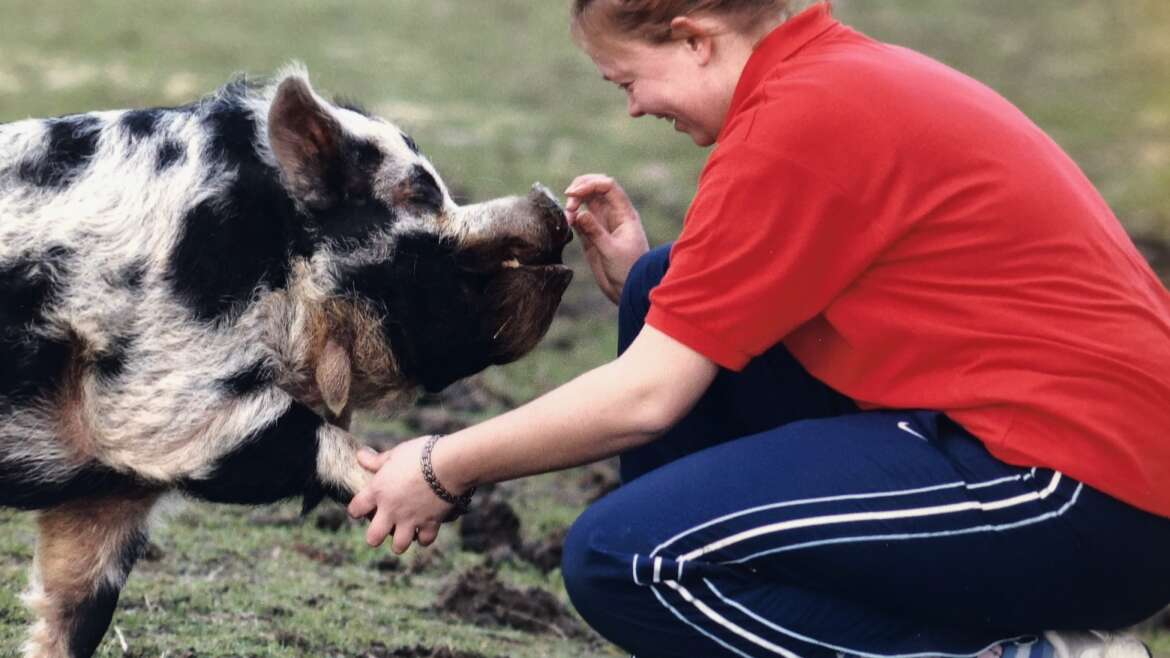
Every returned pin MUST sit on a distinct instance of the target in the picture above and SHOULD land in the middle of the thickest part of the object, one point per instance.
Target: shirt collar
(779, 45)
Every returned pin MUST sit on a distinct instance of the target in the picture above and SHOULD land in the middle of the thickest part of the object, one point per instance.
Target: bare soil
(477, 597)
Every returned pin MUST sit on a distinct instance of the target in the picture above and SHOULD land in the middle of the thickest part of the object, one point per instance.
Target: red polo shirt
(917, 242)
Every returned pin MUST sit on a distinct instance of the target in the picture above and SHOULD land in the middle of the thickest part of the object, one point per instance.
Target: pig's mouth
(510, 255)
(540, 261)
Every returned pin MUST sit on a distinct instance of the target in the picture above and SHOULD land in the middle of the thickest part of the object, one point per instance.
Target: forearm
(602, 413)
(575, 424)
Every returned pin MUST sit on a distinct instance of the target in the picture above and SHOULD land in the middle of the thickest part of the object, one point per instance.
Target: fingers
(604, 196)
(362, 504)
(381, 526)
(403, 534)
(591, 231)
(586, 186)
(372, 461)
(427, 534)
(403, 538)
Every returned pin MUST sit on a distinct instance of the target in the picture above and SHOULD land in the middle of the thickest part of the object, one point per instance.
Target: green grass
(497, 96)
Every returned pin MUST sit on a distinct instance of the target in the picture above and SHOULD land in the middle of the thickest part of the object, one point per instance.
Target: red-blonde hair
(649, 20)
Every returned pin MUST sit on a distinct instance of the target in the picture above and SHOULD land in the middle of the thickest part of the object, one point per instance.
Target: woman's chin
(700, 139)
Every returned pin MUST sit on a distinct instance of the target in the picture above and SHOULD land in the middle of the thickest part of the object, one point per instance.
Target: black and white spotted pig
(188, 294)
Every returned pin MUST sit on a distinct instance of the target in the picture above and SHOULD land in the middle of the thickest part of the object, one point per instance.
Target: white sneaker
(1093, 644)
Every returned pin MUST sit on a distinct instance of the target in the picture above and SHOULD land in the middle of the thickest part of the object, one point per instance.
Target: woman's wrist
(460, 502)
(447, 468)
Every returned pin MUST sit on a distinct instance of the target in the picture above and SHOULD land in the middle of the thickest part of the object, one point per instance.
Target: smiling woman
(689, 85)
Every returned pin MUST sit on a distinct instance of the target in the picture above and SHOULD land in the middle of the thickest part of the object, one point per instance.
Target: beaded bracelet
(461, 503)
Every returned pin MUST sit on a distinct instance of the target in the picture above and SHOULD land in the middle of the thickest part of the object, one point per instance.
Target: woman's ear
(698, 34)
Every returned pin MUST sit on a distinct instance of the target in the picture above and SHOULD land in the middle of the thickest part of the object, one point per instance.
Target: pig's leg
(295, 454)
(85, 552)
(337, 465)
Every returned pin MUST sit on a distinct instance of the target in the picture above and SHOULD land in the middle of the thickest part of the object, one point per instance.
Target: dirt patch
(469, 395)
(449, 411)
(477, 597)
(545, 553)
(489, 524)
(433, 420)
(275, 518)
(387, 564)
(379, 650)
(292, 640)
(329, 558)
(599, 479)
(153, 553)
(331, 517)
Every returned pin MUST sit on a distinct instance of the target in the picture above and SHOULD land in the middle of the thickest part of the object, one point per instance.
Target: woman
(899, 388)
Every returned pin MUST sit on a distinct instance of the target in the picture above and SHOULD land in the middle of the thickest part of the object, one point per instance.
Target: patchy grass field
(494, 92)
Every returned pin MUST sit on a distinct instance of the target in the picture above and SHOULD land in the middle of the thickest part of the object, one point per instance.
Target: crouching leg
(85, 552)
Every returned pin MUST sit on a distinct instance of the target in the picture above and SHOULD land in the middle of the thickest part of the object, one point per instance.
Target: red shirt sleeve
(767, 244)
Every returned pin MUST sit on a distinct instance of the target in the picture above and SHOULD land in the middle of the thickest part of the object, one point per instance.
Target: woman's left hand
(400, 498)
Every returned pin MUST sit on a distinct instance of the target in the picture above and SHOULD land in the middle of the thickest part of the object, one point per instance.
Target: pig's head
(444, 290)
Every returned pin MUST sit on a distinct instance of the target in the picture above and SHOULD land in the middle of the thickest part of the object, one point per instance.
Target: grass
(497, 96)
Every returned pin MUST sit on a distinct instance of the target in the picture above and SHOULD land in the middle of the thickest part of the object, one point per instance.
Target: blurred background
(497, 96)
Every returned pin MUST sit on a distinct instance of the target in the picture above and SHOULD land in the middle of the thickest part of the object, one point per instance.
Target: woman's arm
(606, 411)
(622, 404)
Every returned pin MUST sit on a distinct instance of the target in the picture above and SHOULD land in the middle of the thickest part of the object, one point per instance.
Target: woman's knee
(580, 561)
(596, 562)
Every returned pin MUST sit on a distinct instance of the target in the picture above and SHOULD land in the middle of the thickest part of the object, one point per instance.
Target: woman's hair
(649, 20)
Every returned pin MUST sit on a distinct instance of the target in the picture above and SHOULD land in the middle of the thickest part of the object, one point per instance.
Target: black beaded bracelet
(461, 503)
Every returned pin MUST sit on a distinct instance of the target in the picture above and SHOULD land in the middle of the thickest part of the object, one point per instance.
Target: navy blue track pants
(778, 520)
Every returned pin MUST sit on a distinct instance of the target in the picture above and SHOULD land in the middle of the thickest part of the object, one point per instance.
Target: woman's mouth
(672, 120)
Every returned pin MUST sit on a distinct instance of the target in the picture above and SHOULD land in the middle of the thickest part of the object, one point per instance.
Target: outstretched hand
(399, 498)
(610, 229)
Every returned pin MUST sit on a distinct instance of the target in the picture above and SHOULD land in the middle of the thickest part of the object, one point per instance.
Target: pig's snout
(552, 213)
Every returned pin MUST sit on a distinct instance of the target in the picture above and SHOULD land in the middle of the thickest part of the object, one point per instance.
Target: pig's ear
(306, 140)
(334, 373)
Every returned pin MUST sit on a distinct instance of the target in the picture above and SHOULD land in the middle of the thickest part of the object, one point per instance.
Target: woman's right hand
(609, 227)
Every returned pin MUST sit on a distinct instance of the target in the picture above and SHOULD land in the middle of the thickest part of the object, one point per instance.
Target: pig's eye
(424, 191)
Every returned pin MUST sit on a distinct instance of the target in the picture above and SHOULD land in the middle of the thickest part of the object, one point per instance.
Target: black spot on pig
(425, 192)
(250, 379)
(356, 213)
(353, 106)
(30, 284)
(231, 126)
(410, 144)
(170, 153)
(32, 361)
(244, 238)
(112, 362)
(141, 124)
(131, 276)
(70, 144)
(275, 463)
(22, 487)
(96, 611)
(231, 245)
